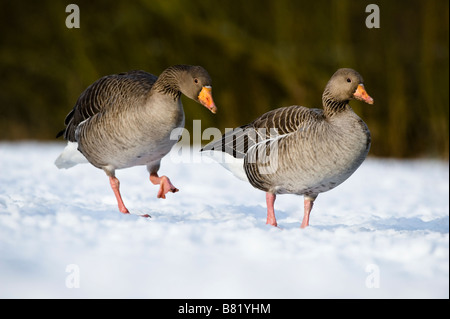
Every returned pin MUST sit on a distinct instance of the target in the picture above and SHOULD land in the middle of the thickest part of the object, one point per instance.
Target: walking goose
(126, 119)
(298, 150)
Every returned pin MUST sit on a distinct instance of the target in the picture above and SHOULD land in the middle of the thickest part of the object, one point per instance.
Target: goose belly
(108, 142)
(143, 155)
(312, 180)
(126, 150)
(307, 167)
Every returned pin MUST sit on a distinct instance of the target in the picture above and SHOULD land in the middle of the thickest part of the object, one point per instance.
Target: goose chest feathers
(299, 150)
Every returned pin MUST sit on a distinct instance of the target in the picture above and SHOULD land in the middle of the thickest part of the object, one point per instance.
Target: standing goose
(126, 119)
(298, 150)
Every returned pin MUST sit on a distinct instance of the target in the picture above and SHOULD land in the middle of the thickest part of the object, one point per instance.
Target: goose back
(120, 91)
(273, 124)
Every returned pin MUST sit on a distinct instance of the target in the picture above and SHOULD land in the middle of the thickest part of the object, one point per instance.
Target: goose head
(196, 85)
(347, 84)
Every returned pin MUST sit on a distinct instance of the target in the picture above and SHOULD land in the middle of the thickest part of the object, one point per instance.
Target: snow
(384, 233)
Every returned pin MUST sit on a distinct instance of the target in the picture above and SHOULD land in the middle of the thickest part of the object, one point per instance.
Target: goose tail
(70, 156)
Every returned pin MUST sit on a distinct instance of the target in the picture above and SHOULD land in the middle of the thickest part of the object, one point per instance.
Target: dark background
(260, 54)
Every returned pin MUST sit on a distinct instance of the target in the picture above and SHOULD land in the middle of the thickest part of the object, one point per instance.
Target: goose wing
(107, 92)
(271, 125)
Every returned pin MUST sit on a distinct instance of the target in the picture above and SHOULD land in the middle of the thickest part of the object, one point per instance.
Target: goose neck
(168, 82)
(332, 106)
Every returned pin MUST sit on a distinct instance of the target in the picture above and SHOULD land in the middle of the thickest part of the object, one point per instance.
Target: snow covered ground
(384, 233)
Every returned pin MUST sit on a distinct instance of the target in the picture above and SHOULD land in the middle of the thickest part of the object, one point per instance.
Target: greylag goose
(299, 150)
(127, 119)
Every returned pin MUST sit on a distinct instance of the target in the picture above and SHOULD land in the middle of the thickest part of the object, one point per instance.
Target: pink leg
(270, 200)
(165, 185)
(308, 203)
(115, 187)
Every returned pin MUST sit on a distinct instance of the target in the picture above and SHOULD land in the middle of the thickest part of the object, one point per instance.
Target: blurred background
(261, 54)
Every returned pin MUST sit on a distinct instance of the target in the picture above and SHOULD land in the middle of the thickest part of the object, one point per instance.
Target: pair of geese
(126, 119)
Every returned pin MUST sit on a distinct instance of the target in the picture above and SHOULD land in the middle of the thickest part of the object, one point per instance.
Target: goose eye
(349, 80)
(196, 81)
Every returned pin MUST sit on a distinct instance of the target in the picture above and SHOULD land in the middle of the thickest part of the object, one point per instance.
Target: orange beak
(362, 95)
(206, 99)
